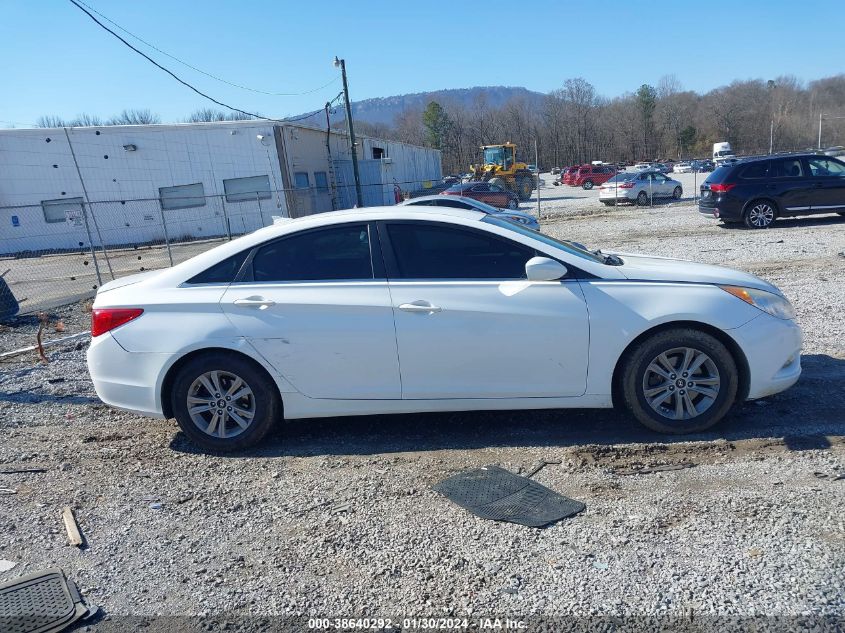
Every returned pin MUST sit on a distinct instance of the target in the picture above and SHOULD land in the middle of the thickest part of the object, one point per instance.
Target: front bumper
(126, 380)
(772, 348)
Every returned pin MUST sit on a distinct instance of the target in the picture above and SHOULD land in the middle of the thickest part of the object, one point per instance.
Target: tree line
(138, 117)
(575, 124)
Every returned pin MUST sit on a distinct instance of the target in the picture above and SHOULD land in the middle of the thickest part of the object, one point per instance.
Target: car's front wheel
(513, 204)
(224, 402)
(642, 198)
(679, 381)
(759, 215)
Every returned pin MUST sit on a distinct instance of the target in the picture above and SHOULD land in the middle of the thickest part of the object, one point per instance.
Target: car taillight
(626, 185)
(106, 319)
(722, 188)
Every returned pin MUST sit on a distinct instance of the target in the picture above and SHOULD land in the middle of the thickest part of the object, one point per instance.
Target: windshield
(724, 152)
(565, 245)
(494, 155)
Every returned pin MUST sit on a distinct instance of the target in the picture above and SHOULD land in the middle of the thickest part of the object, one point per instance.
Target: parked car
(642, 166)
(757, 191)
(567, 174)
(470, 204)
(683, 167)
(587, 176)
(485, 192)
(703, 165)
(555, 171)
(533, 169)
(393, 310)
(640, 188)
(663, 168)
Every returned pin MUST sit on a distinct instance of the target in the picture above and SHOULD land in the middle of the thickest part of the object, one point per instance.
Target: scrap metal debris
(44, 602)
(18, 471)
(540, 465)
(494, 493)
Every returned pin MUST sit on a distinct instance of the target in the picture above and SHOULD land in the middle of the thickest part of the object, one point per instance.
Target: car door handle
(254, 302)
(419, 306)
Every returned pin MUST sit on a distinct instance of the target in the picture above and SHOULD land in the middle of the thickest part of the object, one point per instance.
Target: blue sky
(55, 60)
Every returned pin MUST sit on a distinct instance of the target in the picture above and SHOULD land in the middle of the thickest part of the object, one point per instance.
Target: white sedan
(400, 310)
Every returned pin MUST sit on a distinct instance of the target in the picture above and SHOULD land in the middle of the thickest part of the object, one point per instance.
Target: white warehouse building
(150, 183)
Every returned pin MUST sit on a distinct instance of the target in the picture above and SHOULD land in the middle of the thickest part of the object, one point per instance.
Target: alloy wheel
(761, 215)
(221, 404)
(681, 383)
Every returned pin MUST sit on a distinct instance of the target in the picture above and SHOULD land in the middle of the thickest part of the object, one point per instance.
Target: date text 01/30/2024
(428, 624)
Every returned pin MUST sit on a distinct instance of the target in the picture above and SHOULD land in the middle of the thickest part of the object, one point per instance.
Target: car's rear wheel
(759, 215)
(642, 198)
(679, 381)
(513, 204)
(588, 184)
(224, 402)
(677, 193)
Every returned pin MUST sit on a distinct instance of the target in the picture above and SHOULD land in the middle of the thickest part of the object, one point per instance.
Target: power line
(180, 80)
(203, 72)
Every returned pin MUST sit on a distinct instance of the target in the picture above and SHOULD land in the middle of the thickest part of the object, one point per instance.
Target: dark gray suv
(756, 191)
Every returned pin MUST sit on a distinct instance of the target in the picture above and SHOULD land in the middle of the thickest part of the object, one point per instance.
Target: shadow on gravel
(786, 223)
(803, 415)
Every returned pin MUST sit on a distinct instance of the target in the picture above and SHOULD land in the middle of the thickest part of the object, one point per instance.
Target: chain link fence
(80, 246)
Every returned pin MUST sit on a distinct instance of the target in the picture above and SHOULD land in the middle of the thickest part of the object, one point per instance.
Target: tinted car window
(496, 188)
(222, 272)
(431, 251)
(825, 167)
(456, 204)
(341, 252)
(787, 168)
(755, 170)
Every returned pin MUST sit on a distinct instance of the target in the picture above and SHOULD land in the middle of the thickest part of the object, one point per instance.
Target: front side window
(432, 251)
(330, 254)
(825, 167)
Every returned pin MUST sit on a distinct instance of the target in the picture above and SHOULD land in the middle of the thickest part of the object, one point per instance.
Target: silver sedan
(512, 215)
(639, 188)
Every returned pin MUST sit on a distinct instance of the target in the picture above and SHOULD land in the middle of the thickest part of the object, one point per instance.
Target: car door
(828, 179)
(499, 197)
(468, 323)
(316, 305)
(481, 191)
(790, 186)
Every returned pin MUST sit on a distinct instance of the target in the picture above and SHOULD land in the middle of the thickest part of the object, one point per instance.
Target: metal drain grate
(494, 493)
(43, 602)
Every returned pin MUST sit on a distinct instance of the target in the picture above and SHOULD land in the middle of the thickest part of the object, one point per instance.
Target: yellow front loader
(501, 167)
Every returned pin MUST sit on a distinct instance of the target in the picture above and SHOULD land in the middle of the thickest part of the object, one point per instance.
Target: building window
(379, 153)
(182, 196)
(57, 210)
(244, 189)
(300, 179)
(321, 180)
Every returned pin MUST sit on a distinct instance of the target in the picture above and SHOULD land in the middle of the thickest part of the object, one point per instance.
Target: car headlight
(768, 302)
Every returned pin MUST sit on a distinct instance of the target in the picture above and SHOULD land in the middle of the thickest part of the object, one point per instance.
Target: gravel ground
(754, 528)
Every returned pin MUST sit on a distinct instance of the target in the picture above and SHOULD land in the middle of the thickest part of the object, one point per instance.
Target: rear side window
(755, 170)
(330, 254)
(223, 272)
(431, 251)
(787, 168)
(719, 174)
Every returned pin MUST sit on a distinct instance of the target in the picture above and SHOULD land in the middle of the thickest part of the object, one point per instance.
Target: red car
(485, 192)
(587, 176)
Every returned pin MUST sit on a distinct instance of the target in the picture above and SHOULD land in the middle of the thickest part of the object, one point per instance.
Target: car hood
(655, 268)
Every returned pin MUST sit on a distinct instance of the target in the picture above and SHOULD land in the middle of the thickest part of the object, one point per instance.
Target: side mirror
(544, 269)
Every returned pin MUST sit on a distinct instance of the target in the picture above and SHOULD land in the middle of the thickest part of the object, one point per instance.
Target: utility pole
(820, 130)
(771, 136)
(537, 165)
(341, 63)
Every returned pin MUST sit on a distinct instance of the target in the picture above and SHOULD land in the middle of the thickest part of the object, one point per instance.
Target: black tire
(642, 199)
(840, 213)
(513, 204)
(524, 187)
(759, 214)
(636, 374)
(607, 203)
(588, 184)
(265, 401)
(677, 193)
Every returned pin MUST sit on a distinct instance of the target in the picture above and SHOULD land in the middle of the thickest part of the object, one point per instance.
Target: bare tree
(134, 116)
